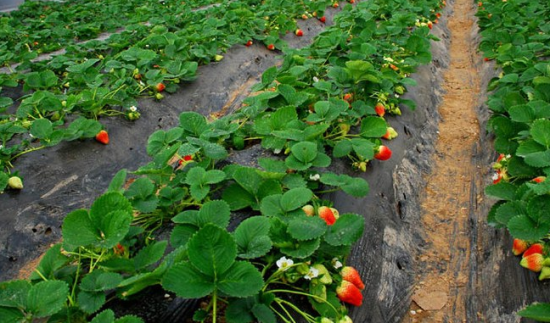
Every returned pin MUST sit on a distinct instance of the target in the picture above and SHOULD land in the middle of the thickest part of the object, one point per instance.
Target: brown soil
(450, 195)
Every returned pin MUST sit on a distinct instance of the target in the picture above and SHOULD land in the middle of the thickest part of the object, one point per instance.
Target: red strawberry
(384, 153)
(501, 156)
(487, 59)
(102, 137)
(160, 87)
(352, 1)
(326, 214)
(430, 25)
(539, 179)
(248, 43)
(348, 97)
(186, 158)
(519, 246)
(533, 262)
(533, 249)
(299, 32)
(349, 293)
(380, 109)
(323, 19)
(350, 274)
(335, 5)
(271, 47)
(438, 15)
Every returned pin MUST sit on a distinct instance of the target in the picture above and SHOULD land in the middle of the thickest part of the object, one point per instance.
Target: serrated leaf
(187, 282)
(248, 178)
(52, 260)
(14, 293)
(534, 154)
(118, 181)
(538, 209)
(199, 192)
(539, 312)
(212, 250)
(373, 127)
(242, 279)
(181, 234)
(305, 152)
(263, 313)
(193, 123)
(78, 230)
(252, 237)
(540, 130)
(523, 227)
(271, 205)
(301, 249)
(342, 148)
(295, 198)
(239, 310)
(108, 202)
(11, 315)
(502, 190)
(47, 297)
(216, 212)
(98, 281)
(306, 228)
(90, 302)
(346, 230)
(214, 176)
(150, 254)
(237, 197)
(509, 210)
(106, 316)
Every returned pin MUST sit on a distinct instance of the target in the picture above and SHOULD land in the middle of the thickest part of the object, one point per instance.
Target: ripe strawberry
(102, 137)
(160, 87)
(384, 153)
(299, 32)
(326, 214)
(335, 5)
(15, 183)
(534, 262)
(519, 246)
(352, 1)
(248, 43)
(271, 47)
(349, 293)
(487, 59)
(323, 19)
(185, 159)
(539, 179)
(380, 109)
(533, 249)
(348, 97)
(430, 25)
(350, 274)
(309, 210)
(438, 15)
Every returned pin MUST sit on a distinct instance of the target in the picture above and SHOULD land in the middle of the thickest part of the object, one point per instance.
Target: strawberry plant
(518, 42)
(318, 105)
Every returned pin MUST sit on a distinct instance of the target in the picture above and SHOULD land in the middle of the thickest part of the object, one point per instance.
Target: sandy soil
(442, 275)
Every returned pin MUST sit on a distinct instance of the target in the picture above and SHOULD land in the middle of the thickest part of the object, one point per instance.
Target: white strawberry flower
(315, 79)
(336, 263)
(277, 151)
(133, 108)
(312, 273)
(496, 176)
(314, 177)
(283, 264)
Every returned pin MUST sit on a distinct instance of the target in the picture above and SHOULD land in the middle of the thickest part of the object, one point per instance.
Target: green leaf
(522, 113)
(212, 250)
(306, 228)
(239, 310)
(215, 212)
(52, 260)
(373, 127)
(193, 122)
(510, 78)
(248, 178)
(14, 293)
(47, 297)
(509, 210)
(540, 130)
(523, 227)
(129, 319)
(181, 234)
(502, 190)
(301, 249)
(141, 188)
(263, 313)
(150, 254)
(214, 151)
(98, 281)
(272, 165)
(108, 202)
(113, 228)
(241, 280)
(356, 187)
(342, 148)
(106, 316)
(305, 152)
(90, 302)
(199, 192)
(252, 237)
(42, 128)
(295, 198)
(346, 230)
(214, 176)
(538, 209)
(118, 181)
(4, 178)
(269, 76)
(363, 148)
(78, 230)
(11, 315)
(539, 312)
(237, 197)
(195, 176)
(187, 282)
(534, 154)
(271, 205)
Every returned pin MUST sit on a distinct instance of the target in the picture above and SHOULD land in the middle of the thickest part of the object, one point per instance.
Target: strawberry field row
(64, 96)
(325, 101)
(516, 35)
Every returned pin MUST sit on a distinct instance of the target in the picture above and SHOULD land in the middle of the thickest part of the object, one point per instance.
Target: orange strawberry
(534, 262)
(349, 293)
(539, 179)
(534, 248)
(350, 274)
(519, 246)
(160, 87)
(271, 47)
(326, 214)
(380, 109)
(102, 137)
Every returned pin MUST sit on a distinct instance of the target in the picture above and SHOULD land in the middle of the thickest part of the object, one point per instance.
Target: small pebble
(166, 295)
(413, 312)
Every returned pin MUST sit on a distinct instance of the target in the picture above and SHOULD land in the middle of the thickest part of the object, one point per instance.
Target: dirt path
(451, 194)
